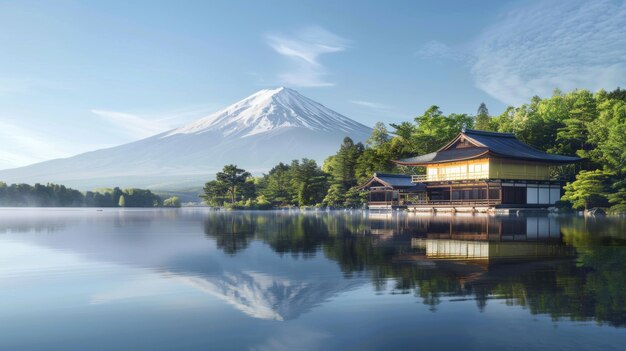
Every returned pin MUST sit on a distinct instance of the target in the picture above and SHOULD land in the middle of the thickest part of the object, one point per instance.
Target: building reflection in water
(559, 266)
(491, 238)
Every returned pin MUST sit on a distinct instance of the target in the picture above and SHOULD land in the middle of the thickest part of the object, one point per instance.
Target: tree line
(55, 195)
(577, 123)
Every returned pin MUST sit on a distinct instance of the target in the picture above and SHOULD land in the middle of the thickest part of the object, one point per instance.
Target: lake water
(193, 279)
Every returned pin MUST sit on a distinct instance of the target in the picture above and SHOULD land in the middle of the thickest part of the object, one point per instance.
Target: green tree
(134, 197)
(121, 202)
(335, 196)
(617, 197)
(172, 201)
(232, 178)
(309, 182)
(617, 94)
(377, 156)
(278, 189)
(431, 131)
(573, 134)
(483, 120)
(342, 165)
(214, 193)
(379, 137)
(588, 190)
(355, 197)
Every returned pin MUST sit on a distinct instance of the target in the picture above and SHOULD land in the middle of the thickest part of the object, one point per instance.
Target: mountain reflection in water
(279, 265)
(567, 267)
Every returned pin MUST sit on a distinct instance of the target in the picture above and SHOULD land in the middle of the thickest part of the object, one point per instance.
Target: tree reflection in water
(565, 267)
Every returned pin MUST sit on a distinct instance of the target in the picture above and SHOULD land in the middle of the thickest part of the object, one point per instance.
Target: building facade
(388, 191)
(479, 168)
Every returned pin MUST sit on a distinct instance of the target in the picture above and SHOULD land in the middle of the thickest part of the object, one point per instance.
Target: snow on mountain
(270, 126)
(268, 110)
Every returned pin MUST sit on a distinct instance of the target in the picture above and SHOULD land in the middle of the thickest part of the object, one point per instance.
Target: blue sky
(77, 76)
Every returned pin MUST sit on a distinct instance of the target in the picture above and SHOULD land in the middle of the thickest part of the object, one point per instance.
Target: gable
(375, 183)
(461, 142)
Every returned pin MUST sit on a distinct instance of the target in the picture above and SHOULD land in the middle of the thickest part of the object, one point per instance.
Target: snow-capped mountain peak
(268, 110)
(256, 133)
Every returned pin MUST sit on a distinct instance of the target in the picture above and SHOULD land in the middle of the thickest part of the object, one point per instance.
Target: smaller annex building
(487, 170)
(389, 191)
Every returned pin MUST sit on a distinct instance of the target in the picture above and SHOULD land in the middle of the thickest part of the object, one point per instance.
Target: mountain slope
(270, 126)
(268, 110)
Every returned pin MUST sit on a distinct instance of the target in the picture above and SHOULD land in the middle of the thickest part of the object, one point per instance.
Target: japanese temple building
(388, 191)
(486, 170)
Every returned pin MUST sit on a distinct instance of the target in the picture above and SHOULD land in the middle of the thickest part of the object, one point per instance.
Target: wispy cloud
(567, 45)
(21, 146)
(145, 125)
(437, 50)
(304, 49)
(370, 104)
(134, 125)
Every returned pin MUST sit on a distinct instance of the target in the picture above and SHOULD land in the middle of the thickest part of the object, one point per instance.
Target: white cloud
(136, 126)
(304, 49)
(437, 50)
(148, 124)
(533, 50)
(369, 104)
(21, 146)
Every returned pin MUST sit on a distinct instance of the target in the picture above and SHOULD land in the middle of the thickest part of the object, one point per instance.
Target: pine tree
(278, 185)
(214, 193)
(232, 178)
(588, 190)
(483, 120)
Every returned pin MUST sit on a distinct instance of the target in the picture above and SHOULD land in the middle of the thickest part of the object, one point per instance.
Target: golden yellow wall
(484, 168)
(472, 169)
(506, 169)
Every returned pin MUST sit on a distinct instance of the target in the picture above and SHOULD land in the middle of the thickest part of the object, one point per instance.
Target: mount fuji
(270, 126)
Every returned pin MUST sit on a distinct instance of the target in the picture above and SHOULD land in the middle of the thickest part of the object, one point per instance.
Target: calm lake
(194, 279)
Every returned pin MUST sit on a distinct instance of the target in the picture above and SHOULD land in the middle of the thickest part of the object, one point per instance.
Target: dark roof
(396, 181)
(446, 155)
(504, 145)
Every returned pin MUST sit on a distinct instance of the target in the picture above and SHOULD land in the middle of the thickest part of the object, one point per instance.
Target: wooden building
(389, 191)
(488, 169)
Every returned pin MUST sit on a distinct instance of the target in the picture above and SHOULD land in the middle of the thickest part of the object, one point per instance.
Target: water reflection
(281, 265)
(565, 267)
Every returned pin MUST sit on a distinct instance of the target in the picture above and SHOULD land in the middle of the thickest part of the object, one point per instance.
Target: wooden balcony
(454, 203)
(422, 178)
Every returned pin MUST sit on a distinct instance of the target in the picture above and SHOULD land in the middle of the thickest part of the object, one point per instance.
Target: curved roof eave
(424, 163)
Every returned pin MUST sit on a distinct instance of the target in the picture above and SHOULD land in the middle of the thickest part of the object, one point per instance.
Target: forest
(577, 123)
(54, 195)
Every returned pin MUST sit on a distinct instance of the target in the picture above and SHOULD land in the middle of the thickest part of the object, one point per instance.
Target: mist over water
(193, 279)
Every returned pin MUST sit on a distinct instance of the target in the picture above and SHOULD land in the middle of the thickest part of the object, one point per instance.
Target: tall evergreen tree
(278, 188)
(232, 178)
(483, 120)
(588, 190)
(342, 165)
(309, 182)
(214, 193)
